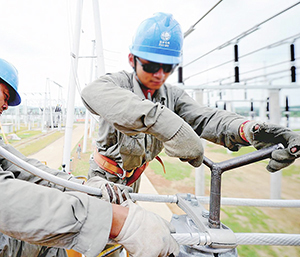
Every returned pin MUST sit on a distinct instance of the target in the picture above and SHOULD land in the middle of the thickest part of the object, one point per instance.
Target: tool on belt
(113, 168)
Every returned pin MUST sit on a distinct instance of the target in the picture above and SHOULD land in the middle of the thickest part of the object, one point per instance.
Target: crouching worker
(38, 218)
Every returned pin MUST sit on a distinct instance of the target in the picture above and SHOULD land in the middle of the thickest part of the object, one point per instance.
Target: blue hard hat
(159, 39)
(9, 74)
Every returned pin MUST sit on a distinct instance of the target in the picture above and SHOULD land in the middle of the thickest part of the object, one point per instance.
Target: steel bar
(248, 158)
(216, 174)
(215, 197)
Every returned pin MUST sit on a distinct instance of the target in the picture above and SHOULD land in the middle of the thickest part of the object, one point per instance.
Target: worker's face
(152, 81)
(4, 97)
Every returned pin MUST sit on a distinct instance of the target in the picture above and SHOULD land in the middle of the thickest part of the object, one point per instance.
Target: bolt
(194, 202)
(188, 197)
(175, 216)
(205, 214)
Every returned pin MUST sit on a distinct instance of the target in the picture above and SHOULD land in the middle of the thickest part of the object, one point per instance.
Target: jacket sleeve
(110, 99)
(215, 125)
(47, 216)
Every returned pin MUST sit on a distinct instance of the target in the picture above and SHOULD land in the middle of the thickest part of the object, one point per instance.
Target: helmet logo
(165, 37)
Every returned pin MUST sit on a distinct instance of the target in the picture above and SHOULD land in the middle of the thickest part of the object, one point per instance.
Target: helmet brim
(158, 58)
(15, 98)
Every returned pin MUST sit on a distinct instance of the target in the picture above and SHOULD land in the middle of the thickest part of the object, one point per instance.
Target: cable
(278, 43)
(244, 34)
(192, 28)
(247, 79)
(268, 66)
(265, 67)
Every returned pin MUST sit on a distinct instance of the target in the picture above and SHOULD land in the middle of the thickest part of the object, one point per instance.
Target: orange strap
(112, 167)
(108, 165)
(161, 162)
(137, 173)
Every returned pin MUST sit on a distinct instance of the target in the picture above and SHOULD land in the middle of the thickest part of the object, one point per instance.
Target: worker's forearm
(118, 219)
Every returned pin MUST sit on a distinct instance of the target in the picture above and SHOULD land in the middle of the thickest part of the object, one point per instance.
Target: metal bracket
(196, 220)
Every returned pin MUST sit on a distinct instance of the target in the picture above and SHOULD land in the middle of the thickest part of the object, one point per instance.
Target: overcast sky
(36, 37)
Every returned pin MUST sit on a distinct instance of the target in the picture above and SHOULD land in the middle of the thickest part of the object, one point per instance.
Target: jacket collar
(159, 96)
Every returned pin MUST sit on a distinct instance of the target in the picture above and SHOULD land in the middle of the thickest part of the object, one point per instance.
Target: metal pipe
(216, 172)
(72, 85)
(248, 158)
(215, 197)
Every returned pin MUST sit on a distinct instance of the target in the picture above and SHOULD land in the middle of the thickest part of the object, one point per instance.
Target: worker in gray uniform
(140, 114)
(40, 219)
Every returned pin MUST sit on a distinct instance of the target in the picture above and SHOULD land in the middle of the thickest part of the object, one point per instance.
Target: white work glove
(111, 192)
(186, 145)
(262, 135)
(146, 234)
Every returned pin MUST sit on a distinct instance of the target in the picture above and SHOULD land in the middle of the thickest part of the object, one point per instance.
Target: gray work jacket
(128, 129)
(35, 211)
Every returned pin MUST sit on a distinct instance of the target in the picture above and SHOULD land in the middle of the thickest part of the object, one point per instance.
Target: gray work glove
(146, 234)
(262, 135)
(111, 192)
(186, 145)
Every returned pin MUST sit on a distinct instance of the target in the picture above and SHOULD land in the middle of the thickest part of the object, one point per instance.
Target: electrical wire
(242, 73)
(192, 28)
(242, 35)
(278, 43)
(248, 79)
(266, 67)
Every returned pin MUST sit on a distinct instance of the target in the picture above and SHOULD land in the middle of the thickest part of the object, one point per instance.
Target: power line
(278, 43)
(192, 28)
(248, 79)
(265, 67)
(242, 35)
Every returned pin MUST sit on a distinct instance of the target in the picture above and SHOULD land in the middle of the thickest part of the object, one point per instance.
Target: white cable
(242, 239)
(48, 176)
(267, 239)
(192, 238)
(254, 202)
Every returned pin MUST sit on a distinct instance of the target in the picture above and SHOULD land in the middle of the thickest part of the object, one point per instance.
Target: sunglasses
(153, 67)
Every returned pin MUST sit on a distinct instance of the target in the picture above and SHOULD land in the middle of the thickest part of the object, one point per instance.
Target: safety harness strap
(113, 168)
